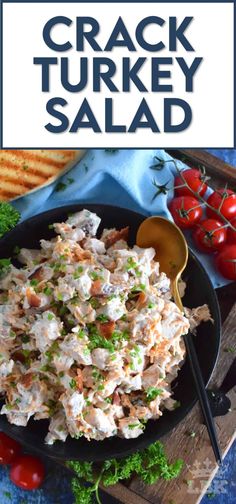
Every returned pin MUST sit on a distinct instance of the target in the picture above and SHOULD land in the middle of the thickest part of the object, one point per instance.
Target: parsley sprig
(149, 464)
(9, 217)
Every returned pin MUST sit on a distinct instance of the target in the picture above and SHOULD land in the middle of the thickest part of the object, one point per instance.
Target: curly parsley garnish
(149, 464)
(9, 217)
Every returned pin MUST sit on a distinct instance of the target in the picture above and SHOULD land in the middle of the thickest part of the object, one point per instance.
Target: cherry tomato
(231, 234)
(209, 235)
(186, 211)
(27, 472)
(195, 180)
(9, 449)
(226, 262)
(223, 200)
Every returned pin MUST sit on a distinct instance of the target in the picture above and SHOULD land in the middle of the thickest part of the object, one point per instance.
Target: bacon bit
(141, 300)
(20, 276)
(37, 274)
(33, 299)
(96, 288)
(82, 242)
(115, 236)
(127, 404)
(161, 347)
(79, 380)
(10, 392)
(106, 328)
(126, 369)
(152, 354)
(27, 380)
(80, 255)
(18, 356)
(116, 398)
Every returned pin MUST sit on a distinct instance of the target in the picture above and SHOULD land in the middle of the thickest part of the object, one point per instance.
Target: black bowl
(199, 291)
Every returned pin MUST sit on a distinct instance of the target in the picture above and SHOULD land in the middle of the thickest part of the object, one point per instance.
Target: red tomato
(226, 262)
(223, 200)
(9, 449)
(27, 472)
(186, 211)
(231, 234)
(195, 180)
(209, 235)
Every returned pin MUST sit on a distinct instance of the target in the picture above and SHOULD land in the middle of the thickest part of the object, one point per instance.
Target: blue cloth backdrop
(116, 177)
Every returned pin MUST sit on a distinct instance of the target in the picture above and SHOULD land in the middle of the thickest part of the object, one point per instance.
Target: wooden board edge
(212, 163)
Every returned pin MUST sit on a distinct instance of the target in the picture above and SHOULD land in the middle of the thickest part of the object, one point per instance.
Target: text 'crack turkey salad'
(89, 336)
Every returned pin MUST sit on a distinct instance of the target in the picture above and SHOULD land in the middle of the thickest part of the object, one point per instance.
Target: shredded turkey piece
(198, 315)
(89, 336)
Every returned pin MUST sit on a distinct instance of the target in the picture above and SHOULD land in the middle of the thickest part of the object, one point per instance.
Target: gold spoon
(171, 249)
(172, 254)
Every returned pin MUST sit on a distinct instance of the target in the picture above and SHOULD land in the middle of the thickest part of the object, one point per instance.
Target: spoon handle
(176, 294)
(202, 395)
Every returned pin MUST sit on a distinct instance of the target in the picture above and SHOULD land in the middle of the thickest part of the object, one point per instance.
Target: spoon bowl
(171, 248)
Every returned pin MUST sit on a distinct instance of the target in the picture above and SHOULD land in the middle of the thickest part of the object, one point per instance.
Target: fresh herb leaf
(152, 393)
(7, 495)
(9, 217)
(16, 250)
(149, 464)
(133, 426)
(4, 266)
(60, 187)
(191, 434)
(25, 338)
(177, 404)
(94, 275)
(47, 291)
(102, 318)
(72, 384)
(230, 349)
(94, 303)
(83, 470)
(108, 400)
(34, 282)
(96, 340)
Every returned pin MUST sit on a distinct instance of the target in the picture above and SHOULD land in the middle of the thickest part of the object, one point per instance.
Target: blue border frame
(112, 1)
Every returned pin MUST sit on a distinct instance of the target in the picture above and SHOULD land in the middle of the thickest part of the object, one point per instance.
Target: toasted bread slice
(23, 171)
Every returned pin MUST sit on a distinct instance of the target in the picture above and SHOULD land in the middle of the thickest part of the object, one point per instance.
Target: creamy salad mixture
(89, 336)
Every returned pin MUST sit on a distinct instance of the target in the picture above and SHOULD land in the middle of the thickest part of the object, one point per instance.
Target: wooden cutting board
(199, 464)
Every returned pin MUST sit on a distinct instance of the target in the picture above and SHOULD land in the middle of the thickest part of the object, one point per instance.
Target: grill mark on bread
(16, 181)
(10, 168)
(7, 195)
(22, 171)
(27, 156)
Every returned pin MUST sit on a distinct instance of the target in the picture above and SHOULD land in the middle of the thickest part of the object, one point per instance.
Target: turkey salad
(90, 338)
